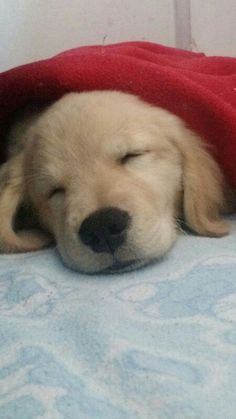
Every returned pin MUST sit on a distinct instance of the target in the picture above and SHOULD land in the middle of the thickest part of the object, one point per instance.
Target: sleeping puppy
(108, 177)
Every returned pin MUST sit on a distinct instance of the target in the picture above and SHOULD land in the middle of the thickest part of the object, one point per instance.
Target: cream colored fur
(94, 150)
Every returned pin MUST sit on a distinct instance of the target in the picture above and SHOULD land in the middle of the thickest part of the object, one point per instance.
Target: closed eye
(55, 191)
(132, 155)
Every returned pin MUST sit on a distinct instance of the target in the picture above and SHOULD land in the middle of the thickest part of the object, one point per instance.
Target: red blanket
(199, 89)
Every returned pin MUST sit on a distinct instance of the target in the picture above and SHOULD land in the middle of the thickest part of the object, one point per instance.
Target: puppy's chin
(109, 264)
(116, 266)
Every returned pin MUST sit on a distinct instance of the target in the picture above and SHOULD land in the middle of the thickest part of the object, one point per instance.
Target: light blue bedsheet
(159, 343)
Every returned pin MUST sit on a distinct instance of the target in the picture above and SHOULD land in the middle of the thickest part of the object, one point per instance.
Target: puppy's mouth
(119, 266)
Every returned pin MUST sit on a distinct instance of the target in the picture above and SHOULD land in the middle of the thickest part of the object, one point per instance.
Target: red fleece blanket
(199, 89)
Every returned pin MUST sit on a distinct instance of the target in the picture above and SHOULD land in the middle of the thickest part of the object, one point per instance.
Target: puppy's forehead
(83, 122)
(90, 126)
(85, 125)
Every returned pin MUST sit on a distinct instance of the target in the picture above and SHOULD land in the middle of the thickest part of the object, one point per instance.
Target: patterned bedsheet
(158, 343)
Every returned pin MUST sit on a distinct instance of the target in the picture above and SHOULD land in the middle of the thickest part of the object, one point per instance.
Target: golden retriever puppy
(108, 176)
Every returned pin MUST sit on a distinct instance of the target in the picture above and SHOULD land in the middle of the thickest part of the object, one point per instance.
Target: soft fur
(95, 150)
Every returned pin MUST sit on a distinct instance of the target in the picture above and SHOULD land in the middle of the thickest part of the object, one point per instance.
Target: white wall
(35, 29)
(213, 26)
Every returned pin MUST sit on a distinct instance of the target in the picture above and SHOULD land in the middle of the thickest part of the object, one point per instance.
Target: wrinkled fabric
(199, 89)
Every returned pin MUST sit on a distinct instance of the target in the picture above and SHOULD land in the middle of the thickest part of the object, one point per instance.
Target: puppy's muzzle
(105, 230)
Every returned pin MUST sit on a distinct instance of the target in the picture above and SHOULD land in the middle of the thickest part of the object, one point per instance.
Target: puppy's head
(108, 176)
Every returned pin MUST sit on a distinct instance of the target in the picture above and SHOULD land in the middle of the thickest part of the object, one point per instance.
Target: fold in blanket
(199, 89)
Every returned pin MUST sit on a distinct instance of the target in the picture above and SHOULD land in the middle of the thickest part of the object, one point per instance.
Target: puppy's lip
(120, 266)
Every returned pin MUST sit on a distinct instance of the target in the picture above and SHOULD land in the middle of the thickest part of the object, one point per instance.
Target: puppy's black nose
(105, 230)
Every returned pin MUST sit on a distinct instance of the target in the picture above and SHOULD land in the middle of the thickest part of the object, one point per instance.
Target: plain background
(36, 29)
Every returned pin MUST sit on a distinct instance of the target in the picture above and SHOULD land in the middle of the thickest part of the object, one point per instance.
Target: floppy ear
(203, 183)
(11, 197)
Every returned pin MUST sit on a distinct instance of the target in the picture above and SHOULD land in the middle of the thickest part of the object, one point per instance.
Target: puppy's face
(106, 180)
